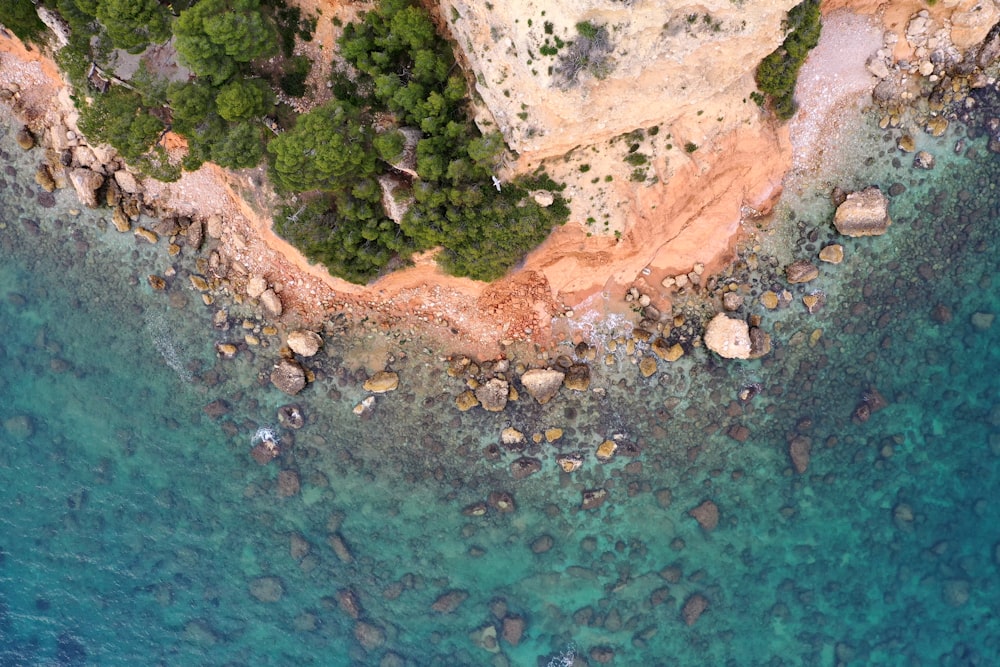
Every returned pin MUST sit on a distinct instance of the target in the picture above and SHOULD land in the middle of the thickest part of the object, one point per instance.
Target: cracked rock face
(551, 85)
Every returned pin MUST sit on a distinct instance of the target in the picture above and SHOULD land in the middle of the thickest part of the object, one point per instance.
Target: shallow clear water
(137, 528)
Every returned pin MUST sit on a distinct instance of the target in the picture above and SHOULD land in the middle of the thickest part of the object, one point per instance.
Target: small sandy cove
(693, 218)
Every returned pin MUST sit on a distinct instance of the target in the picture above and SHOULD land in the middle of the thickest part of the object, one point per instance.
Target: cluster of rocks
(491, 384)
(289, 374)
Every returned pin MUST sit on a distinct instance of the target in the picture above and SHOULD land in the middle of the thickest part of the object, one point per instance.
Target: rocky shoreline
(720, 311)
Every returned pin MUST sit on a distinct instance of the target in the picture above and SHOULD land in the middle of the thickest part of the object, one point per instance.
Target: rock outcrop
(304, 343)
(552, 85)
(864, 213)
(289, 377)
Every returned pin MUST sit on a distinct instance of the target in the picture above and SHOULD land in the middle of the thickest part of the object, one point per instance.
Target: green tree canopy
(243, 99)
(215, 36)
(133, 24)
(329, 148)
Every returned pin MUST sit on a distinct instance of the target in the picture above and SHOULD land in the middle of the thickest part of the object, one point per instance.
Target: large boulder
(728, 337)
(86, 183)
(271, 303)
(304, 342)
(542, 383)
(289, 377)
(864, 213)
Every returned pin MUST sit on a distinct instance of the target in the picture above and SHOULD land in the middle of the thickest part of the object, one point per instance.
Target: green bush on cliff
(778, 72)
(20, 17)
(119, 118)
(134, 24)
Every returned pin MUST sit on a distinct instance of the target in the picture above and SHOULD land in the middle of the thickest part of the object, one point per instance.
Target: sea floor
(138, 530)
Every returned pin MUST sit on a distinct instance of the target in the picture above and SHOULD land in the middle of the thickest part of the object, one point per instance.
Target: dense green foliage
(405, 69)
(778, 72)
(243, 99)
(20, 17)
(329, 149)
(214, 37)
(133, 24)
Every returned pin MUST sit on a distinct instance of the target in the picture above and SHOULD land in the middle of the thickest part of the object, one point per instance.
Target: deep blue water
(136, 527)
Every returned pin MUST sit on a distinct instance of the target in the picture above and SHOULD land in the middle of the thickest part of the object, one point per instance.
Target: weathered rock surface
(256, 286)
(542, 383)
(271, 303)
(25, 139)
(86, 183)
(127, 181)
(832, 254)
(289, 377)
(304, 343)
(728, 337)
(593, 498)
(492, 394)
(864, 213)
(801, 271)
(524, 466)
(577, 377)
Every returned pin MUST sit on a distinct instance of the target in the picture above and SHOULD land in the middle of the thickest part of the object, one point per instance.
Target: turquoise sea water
(136, 529)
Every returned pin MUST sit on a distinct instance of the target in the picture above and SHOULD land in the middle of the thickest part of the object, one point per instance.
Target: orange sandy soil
(695, 217)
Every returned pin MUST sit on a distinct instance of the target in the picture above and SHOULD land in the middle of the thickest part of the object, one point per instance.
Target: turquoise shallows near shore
(137, 530)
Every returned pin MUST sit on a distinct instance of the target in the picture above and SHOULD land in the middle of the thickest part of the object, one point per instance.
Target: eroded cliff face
(556, 74)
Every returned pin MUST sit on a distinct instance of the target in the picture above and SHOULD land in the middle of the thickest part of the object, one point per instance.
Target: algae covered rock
(382, 382)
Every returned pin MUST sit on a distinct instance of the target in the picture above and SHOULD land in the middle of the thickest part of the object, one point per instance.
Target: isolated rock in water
(542, 383)
(271, 303)
(694, 607)
(864, 213)
(492, 394)
(304, 343)
(801, 271)
(289, 377)
(728, 337)
(267, 589)
(381, 382)
(706, 514)
(86, 183)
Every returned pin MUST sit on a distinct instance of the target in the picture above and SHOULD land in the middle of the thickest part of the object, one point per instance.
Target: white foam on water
(159, 332)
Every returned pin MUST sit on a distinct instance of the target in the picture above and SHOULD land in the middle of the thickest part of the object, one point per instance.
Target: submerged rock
(449, 601)
(382, 382)
(799, 450)
(694, 607)
(728, 337)
(19, 427)
(706, 514)
(864, 213)
(267, 589)
(593, 498)
(25, 139)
